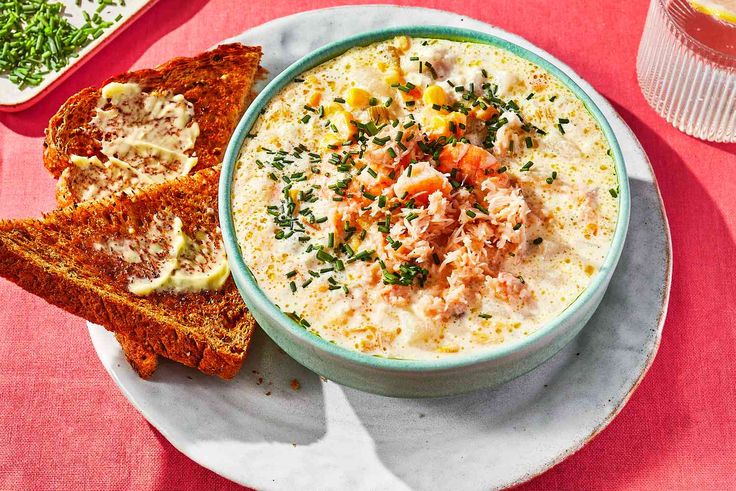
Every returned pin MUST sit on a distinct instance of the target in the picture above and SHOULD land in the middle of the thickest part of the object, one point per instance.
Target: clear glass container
(687, 69)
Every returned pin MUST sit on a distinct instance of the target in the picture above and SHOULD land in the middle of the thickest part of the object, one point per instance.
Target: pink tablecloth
(67, 426)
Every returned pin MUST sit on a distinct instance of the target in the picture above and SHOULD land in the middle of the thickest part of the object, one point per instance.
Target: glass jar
(687, 69)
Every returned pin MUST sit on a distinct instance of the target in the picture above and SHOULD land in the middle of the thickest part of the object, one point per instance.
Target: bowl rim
(257, 300)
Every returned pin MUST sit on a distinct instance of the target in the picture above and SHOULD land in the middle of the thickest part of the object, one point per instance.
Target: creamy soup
(425, 198)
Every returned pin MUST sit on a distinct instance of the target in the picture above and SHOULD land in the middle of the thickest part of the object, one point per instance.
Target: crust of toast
(217, 83)
(55, 258)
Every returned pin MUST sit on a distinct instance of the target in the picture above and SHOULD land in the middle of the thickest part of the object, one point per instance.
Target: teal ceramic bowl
(414, 378)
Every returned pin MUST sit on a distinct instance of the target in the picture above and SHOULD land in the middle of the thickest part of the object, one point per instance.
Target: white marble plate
(258, 431)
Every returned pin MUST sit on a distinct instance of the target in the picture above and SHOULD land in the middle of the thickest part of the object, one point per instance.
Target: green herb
(485, 316)
(339, 100)
(526, 167)
(407, 274)
(36, 38)
(613, 192)
(537, 241)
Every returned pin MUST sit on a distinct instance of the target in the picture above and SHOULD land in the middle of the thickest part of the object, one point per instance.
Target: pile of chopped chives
(37, 39)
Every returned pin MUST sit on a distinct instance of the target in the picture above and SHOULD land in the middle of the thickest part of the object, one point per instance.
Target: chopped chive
(527, 166)
(537, 241)
(470, 213)
(613, 192)
(339, 100)
(325, 257)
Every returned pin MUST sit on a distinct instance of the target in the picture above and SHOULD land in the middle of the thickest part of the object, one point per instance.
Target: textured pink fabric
(65, 425)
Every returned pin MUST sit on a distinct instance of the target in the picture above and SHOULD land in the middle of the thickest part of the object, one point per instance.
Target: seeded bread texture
(218, 83)
(56, 259)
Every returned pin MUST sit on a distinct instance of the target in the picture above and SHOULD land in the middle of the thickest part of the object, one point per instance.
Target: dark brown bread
(56, 258)
(217, 83)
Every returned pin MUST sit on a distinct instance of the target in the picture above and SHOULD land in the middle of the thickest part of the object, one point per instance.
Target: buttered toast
(148, 266)
(103, 140)
(89, 140)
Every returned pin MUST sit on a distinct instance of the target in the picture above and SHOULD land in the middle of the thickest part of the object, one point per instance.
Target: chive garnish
(325, 257)
(527, 166)
(537, 241)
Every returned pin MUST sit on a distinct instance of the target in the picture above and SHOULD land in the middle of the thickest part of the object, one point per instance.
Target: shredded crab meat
(459, 237)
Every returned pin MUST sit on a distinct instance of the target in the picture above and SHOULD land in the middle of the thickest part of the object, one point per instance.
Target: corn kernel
(393, 77)
(332, 108)
(357, 97)
(440, 125)
(403, 43)
(434, 94)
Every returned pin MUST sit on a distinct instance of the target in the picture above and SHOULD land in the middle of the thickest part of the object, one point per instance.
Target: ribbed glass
(687, 70)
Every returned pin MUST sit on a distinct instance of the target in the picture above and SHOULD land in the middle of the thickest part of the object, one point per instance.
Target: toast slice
(216, 87)
(87, 258)
(217, 84)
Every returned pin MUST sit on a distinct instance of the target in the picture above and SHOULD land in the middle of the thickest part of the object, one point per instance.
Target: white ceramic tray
(13, 98)
(256, 430)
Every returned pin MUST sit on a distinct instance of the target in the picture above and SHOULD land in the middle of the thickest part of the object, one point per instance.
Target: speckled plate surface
(258, 431)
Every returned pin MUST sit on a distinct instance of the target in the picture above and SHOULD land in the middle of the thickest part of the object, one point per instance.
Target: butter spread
(147, 138)
(189, 264)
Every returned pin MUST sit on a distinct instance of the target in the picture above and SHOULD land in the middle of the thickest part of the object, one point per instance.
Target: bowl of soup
(423, 211)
